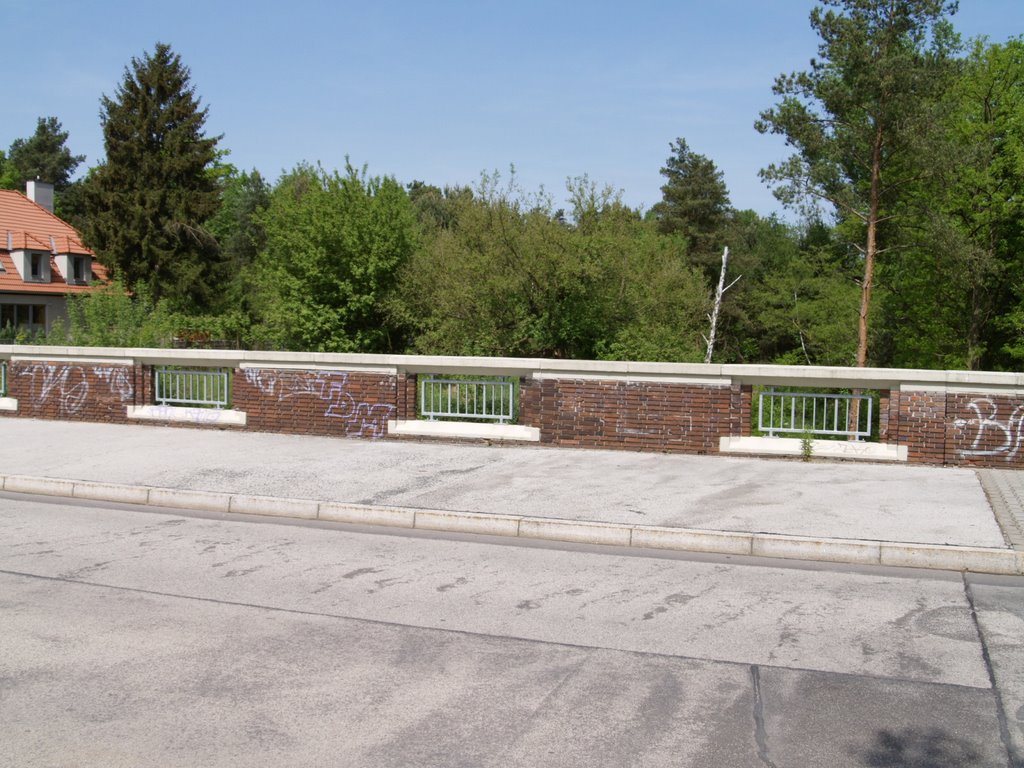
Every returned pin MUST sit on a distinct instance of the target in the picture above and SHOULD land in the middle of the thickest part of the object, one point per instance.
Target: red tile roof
(25, 225)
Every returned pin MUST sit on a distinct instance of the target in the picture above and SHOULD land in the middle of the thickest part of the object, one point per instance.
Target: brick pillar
(883, 415)
(405, 397)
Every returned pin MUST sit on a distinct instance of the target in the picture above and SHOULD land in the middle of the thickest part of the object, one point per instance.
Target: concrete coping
(715, 374)
(852, 551)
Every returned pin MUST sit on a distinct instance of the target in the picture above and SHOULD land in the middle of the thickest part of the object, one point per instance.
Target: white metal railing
(485, 399)
(814, 413)
(3, 378)
(178, 386)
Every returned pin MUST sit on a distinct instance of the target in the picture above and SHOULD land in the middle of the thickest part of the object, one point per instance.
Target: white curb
(855, 551)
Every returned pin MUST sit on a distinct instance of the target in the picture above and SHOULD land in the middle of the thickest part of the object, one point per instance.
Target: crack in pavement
(760, 734)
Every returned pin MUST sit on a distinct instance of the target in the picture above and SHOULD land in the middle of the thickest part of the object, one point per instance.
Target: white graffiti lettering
(359, 418)
(69, 385)
(986, 421)
(119, 380)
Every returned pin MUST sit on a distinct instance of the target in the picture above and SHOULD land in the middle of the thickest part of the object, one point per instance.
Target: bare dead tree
(713, 317)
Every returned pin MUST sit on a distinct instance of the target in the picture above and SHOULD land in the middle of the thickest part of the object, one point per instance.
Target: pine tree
(695, 200)
(43, 156)
(861, 116)
(149, 201)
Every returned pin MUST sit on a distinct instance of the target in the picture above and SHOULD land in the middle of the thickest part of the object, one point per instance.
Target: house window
(22, 315)
(37, 266)
(78, 269)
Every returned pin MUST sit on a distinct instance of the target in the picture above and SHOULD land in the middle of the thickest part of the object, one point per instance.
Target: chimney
(40, 192)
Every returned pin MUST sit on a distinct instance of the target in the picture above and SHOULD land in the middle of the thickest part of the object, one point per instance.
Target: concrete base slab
(826, 449)
(177, 414)
(462, 429)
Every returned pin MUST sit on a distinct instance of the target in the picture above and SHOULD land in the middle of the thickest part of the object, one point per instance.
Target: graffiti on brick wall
(359, 418)
(68, 385)
(993, 436)
(119, 379)
(660, 430)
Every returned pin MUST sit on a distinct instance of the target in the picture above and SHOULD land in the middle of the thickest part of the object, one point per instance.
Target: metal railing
(814, 413)
(3, 378)
(484, 399)
(190, 387)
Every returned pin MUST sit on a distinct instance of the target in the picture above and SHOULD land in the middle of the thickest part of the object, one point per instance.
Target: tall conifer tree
(149, 201)
(859, 118)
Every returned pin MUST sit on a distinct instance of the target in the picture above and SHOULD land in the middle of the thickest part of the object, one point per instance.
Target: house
(42, 260)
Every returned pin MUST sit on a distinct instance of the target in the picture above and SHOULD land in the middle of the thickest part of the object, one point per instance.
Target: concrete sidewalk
(813, 510)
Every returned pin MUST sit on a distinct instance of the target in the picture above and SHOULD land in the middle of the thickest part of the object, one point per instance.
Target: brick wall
(922, 417)
(339, 403)
(74, 391)
(937, 427)
(612, 414)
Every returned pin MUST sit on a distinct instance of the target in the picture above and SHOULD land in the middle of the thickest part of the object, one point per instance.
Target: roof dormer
(76, 269)
(32, 265)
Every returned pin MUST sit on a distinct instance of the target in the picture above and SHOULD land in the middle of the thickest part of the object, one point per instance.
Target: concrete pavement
(875, 514)
(178, 639)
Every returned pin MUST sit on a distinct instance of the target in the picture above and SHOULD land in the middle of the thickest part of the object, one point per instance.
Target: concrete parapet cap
(634, 378)
(279, 365)
(714, 374)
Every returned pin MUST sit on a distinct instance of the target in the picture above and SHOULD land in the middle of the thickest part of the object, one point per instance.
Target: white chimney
(40, 192)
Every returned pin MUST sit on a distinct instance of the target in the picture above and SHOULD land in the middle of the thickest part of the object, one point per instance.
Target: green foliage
(951, 291)
(111, 317)
(241, 236)
(805, 309)
(806, 446)
(513, 278)
(149, 201)
(334, 244)
(44, 155)
(861, 118)
(695, 201)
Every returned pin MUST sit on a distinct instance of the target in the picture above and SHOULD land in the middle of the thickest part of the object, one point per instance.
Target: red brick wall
(339, 403)
(73, 391)
(922, 426)
(610, 414)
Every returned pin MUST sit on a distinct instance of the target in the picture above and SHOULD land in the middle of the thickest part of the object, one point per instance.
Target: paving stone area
(1005, 491)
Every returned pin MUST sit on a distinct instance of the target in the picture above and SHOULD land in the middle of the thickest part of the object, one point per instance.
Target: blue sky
(440, 91)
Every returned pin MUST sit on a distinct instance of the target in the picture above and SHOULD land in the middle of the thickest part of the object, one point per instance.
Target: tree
(334, 244)
(860, 117)
(241, 236)
(43, 156)
(695, 201)
(950, 294)
(514, 277)
(149, 200)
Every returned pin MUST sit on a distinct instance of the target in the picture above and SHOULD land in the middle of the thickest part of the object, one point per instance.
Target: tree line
(906, 180)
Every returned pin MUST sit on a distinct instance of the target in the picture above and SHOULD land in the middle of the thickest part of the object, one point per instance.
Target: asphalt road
(142, 638)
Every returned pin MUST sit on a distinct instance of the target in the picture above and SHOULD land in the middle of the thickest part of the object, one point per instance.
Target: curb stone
(851, 551)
